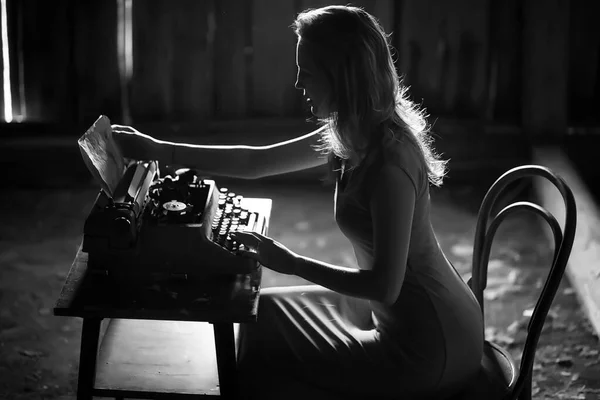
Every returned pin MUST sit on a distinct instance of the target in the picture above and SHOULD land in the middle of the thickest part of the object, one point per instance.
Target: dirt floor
(41, 230)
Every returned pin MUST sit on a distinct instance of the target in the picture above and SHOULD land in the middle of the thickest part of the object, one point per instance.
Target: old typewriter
(167, 224)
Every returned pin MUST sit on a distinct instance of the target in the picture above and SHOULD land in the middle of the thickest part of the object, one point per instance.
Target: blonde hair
(369, 98)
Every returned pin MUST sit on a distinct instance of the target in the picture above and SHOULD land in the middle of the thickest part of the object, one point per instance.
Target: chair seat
(497, 375)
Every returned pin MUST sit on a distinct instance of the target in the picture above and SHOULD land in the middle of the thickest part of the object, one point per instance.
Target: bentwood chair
(499, 377)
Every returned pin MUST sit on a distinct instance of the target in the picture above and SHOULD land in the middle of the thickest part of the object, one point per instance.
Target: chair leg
(526, 392)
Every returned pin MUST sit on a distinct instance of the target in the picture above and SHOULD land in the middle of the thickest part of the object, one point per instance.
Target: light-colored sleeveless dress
(310, 342)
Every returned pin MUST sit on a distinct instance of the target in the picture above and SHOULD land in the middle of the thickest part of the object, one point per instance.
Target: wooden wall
(584, 62)
(217, 59)
(213, 60)
(41, 36)
(94, 56)
(444, 54)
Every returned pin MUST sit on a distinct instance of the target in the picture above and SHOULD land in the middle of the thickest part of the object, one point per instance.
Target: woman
(403, 325)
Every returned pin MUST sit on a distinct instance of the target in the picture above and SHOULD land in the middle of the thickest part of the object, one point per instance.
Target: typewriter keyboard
(232, 217)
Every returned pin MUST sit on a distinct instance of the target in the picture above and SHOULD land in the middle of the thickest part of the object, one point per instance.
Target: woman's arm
(349, 281)
(234, 161)
(228, 161)
(392, 205)
(237, 161)
(289, 156)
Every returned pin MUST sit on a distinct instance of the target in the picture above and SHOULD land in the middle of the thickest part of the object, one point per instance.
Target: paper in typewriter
(101, 155)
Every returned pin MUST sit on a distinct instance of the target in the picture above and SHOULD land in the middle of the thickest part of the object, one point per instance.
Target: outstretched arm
(211, 160)
(237, 161)
(290, 156)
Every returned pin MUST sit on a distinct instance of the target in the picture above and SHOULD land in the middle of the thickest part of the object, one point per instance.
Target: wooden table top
(223, 298)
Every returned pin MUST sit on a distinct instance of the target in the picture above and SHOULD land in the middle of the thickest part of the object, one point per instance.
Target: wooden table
(151, 333)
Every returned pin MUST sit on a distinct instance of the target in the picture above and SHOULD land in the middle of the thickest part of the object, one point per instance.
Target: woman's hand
(136, 145)
(266, 251)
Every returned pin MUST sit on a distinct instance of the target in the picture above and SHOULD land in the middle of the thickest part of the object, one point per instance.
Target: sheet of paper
(101, 155)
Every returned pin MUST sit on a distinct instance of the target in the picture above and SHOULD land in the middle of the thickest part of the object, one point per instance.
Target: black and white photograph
(300, 199)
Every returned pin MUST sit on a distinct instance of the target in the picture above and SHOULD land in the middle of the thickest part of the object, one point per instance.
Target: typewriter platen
(176, 225)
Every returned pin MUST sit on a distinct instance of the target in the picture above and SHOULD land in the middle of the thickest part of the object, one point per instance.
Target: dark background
(200, 61)
(496, 76)
(502, 80)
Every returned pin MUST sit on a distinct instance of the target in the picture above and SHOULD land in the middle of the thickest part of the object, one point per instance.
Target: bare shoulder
(292, 155)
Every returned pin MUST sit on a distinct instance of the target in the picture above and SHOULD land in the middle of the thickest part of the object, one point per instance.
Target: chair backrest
(563, 243)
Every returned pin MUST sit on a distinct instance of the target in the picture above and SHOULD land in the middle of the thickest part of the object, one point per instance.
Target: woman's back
(436, 317)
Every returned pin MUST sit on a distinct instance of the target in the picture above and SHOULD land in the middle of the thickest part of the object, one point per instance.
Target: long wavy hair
(368, 96)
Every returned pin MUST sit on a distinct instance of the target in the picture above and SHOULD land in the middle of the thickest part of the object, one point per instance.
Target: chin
(317, 113)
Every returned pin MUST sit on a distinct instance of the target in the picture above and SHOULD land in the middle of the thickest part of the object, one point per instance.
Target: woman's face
(311, 81)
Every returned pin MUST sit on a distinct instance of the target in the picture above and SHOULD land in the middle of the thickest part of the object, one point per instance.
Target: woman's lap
(318, 338)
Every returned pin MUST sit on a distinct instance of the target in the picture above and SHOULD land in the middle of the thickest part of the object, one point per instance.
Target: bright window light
(125, 37)
(125, 52)
(8, 115)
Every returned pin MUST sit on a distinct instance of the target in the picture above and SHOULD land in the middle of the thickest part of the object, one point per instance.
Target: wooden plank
(505, 61)
(273, 59)
(421, 28)
(583, 269)
(230, 59)
(172, 45)
(470, 46)
(157, 357)
(151, 89)
(584, 63)
(96, 81)
(443, 47)
(192, 36)
(46, 60)
(545, 68)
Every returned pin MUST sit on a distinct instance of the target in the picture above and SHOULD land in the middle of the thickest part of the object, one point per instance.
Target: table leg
(226, 362)
(87, 358)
